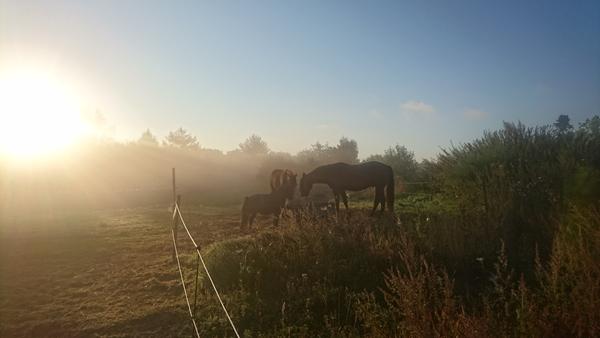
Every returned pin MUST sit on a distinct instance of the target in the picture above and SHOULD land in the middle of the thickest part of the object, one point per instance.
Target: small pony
(272, 203)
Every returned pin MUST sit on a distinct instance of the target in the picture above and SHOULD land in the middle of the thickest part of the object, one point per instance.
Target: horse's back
(257, 199)
(374, 165)
(356, 176)
(261, 203)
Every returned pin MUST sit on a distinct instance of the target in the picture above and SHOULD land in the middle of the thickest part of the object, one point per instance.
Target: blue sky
(421, 74)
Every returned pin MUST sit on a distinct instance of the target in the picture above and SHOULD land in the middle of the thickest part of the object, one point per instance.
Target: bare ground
(105, 273)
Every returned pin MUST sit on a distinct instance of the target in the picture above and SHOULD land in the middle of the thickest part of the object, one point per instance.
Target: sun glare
(38, 115)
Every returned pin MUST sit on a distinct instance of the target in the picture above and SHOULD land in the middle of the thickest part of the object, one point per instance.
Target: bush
(562, 301)
(520, 179)
(301, 280)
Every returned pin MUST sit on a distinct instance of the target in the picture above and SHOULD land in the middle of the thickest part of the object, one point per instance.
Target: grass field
(110, 273)
(106, 273)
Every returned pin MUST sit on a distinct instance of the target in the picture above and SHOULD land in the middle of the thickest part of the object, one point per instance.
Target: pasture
(106, 273)
(110, 273)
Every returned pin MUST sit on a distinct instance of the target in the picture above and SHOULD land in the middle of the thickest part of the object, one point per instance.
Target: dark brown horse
(266, 204)
(342, 177)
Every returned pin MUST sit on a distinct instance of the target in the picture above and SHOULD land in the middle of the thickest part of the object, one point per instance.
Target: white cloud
(413, 109)
(475, 114)
(414, 106)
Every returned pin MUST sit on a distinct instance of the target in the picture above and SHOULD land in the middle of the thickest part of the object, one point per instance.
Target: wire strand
(187, 300)
(207, 272)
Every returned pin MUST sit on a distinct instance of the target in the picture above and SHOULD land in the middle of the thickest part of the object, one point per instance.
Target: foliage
(401, 160)
(561, 302)
(563, 124)
(347, 150)
(373, 278)
(318, 154)
(254, 145)
(298, 280)
(180, 138)
(520, 179)
(591, 126)
(148, 139)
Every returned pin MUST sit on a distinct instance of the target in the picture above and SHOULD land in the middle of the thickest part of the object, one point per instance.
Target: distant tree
(346, 151)
(254, 145)
(563, 124)
(400, 159)
(318, 154)
(588, 140)
(148, 139)
(180, 138)
(591, 126)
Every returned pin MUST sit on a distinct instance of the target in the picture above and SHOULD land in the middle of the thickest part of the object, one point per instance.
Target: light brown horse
(266, 204)
(342, 177)
(280, 176)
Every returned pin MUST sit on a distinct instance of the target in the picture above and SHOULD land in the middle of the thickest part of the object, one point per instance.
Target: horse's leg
(276, 220)
(375, 202)
(251, 220)
(380, 196)
(336, 195)
(378, 192)
(282, 213)
(345, 200)
(382, 199)
(244, 221)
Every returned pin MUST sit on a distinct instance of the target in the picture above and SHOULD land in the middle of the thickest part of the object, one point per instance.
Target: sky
(422, 74)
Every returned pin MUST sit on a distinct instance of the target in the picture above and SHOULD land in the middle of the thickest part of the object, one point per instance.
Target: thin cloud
(324, 126)
(414, 108)
(475, 114)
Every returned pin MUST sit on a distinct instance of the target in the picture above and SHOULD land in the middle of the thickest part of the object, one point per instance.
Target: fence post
(175, 220)
(174, 187)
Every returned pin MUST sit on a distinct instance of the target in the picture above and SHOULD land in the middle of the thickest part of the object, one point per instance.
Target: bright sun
(38, 115)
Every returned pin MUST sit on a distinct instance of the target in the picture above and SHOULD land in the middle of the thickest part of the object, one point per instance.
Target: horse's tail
(390, 193)
(244, 221)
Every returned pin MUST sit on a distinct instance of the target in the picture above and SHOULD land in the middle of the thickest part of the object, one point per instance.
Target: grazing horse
(341, 177)
(266, 204)
(280, 176)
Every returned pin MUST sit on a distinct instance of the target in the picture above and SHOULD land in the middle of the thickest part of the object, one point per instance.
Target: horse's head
(305, 185)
